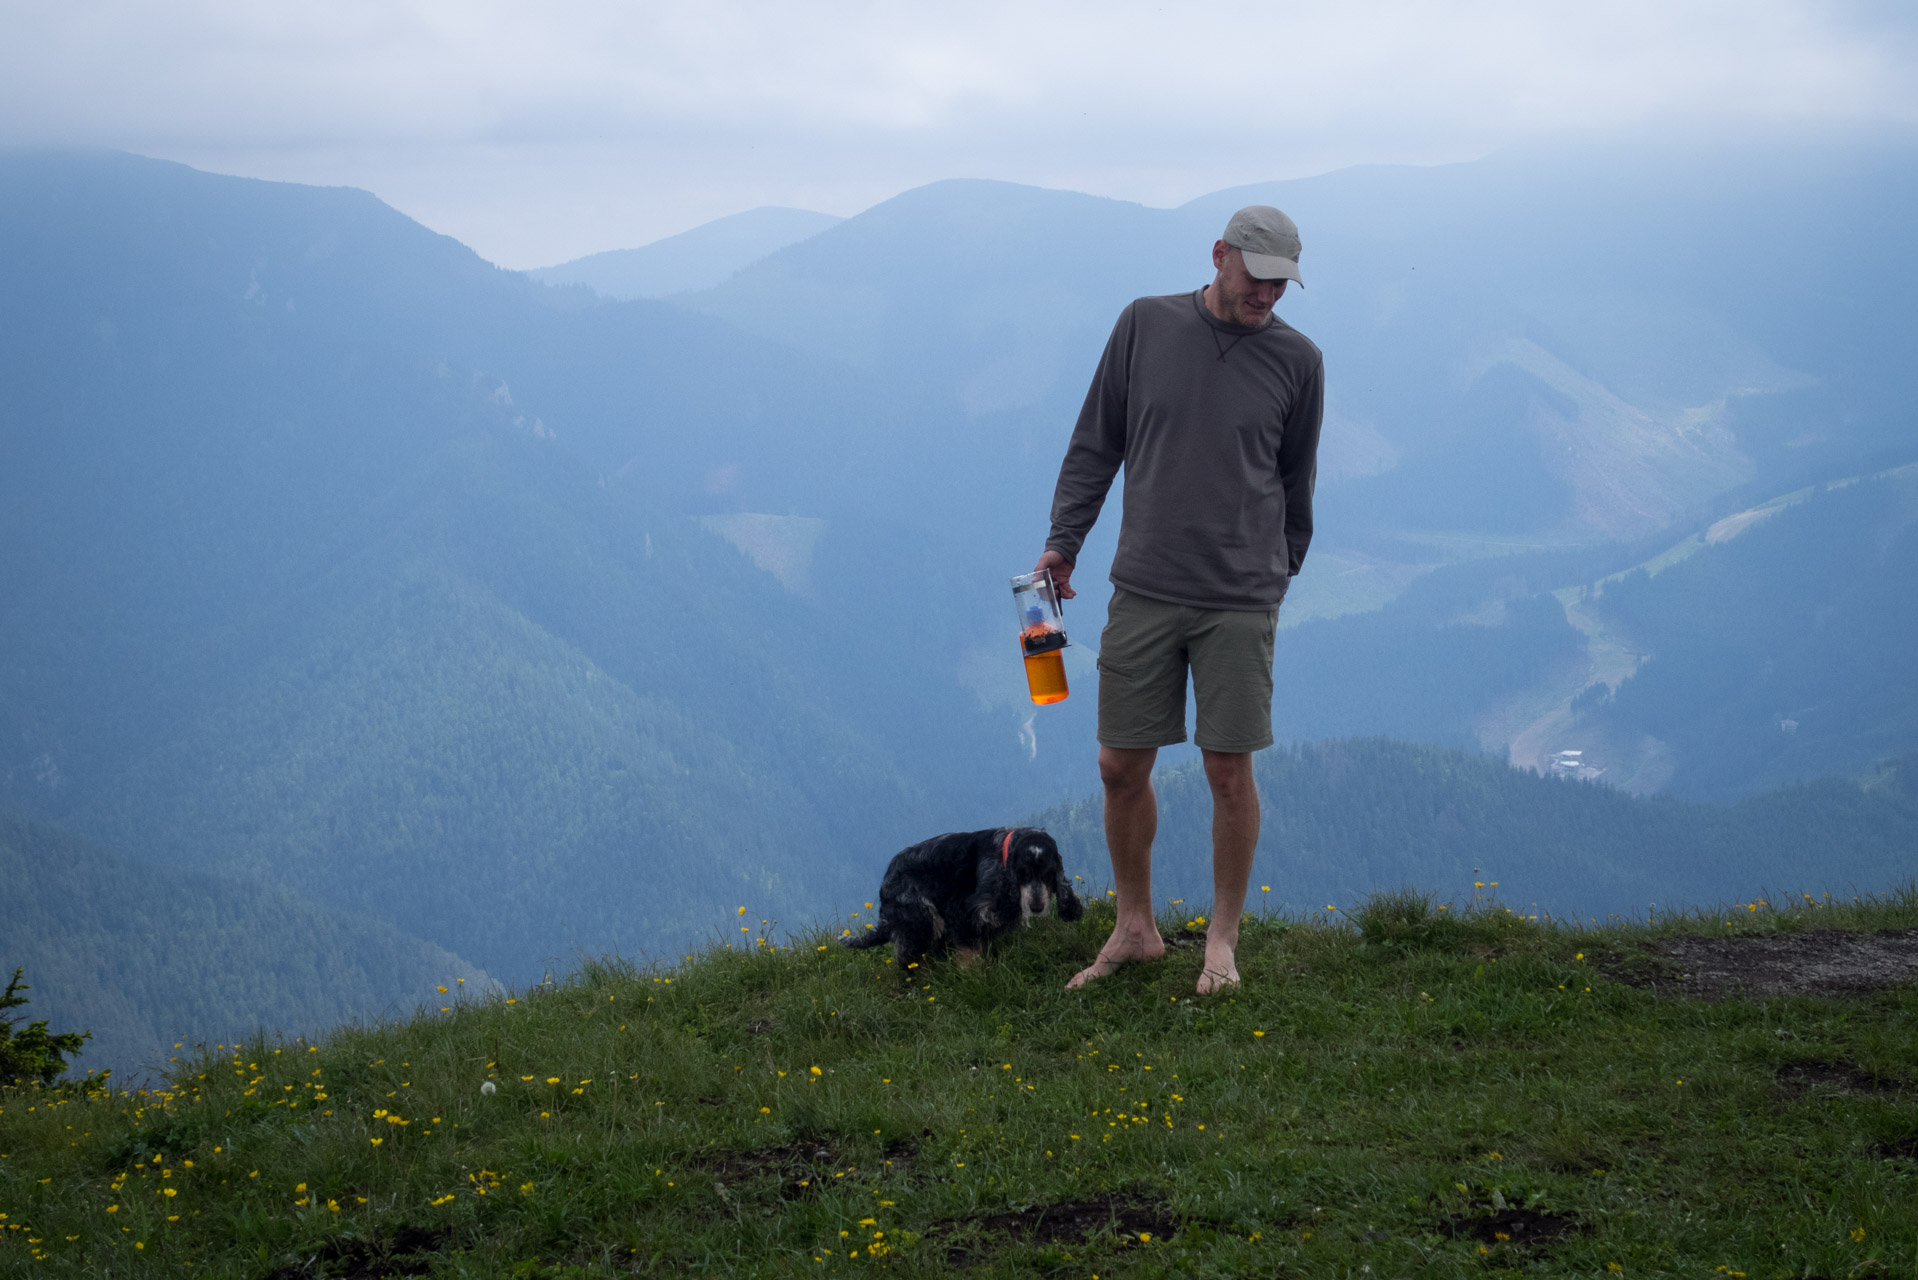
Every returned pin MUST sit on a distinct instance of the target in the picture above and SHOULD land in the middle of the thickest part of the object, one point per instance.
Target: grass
(1427, 1090)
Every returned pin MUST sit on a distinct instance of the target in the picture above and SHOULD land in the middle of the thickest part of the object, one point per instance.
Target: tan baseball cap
(1268, 240)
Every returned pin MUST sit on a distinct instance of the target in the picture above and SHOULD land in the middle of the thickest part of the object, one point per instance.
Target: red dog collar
(1005, 849)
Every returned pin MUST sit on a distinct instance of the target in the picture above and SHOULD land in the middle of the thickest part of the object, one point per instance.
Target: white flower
(489, 1088)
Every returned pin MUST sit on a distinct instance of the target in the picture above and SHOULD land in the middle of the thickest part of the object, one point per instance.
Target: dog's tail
(878, 935)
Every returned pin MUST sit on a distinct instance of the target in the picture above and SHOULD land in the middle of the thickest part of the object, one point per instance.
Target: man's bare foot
(1221, 967)
(1124, 947)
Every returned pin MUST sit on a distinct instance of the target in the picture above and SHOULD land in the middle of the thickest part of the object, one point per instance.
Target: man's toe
(1214, 980)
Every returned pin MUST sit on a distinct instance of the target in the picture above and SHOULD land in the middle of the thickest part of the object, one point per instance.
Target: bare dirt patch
(1513, 1226)
(1819, 962)
(800, 1168)
(803, 1168)
(1899, 1149)
(407, 1252)
(1814, 1077)
(1125, 1217)
(899, 1153)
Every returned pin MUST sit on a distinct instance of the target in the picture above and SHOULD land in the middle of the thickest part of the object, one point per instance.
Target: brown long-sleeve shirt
(1217, 426)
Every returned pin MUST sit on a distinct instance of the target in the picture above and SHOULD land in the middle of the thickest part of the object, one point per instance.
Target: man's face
(1242, 297)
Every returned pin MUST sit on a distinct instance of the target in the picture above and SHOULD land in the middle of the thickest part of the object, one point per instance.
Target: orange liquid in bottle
(1046, 677)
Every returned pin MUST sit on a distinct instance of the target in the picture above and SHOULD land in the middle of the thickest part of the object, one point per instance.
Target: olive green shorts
(1144, 653)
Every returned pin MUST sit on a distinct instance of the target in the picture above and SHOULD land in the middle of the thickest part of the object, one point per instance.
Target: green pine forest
(153, 958)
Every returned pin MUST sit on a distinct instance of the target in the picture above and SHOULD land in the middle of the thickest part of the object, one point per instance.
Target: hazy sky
(538, 132)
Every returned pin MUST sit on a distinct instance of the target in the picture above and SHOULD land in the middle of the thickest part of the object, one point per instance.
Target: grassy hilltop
(1418, 1091)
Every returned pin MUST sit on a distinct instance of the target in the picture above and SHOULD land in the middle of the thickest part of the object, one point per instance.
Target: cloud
(536, 132)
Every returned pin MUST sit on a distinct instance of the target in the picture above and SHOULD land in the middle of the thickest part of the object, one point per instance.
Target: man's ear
(1219, 248)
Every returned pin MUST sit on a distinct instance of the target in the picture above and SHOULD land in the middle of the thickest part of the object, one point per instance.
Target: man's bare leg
(1132, 820)
(1235, 834)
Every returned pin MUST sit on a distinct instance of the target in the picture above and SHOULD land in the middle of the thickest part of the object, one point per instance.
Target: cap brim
(1269, 266)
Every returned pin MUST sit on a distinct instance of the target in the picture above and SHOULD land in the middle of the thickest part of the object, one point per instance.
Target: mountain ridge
(143, 957)
(695, 259)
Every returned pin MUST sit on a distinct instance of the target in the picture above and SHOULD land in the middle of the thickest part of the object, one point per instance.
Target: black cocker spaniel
(965, 888)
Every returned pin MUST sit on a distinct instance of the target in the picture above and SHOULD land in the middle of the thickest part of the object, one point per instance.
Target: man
(1212, 404)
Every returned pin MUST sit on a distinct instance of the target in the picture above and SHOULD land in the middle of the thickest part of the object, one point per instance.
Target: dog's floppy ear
(1070, 907)
(994, 901)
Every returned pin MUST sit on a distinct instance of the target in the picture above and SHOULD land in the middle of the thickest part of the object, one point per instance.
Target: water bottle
(1042, 636)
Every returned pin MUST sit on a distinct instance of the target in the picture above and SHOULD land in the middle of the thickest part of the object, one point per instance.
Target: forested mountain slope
(144, 957)
(1781, 650)
(1345, 819)
(296, 580)
(1772, 645)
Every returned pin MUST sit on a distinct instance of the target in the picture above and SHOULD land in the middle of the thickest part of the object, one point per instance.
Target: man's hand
(1061, 572)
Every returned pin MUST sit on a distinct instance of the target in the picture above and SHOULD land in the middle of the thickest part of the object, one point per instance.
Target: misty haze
(359, 583)
(509, 516)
